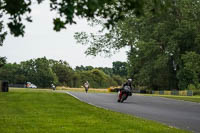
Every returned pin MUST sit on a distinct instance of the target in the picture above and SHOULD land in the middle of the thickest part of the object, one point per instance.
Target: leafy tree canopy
(159, 45)
(63, 71)
(2, 61)
(120, 68)
(111, 11)
(39, 72)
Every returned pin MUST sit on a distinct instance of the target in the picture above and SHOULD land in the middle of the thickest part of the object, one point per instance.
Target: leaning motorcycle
(124, 93)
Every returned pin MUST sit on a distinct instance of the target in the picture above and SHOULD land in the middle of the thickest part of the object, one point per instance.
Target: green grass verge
(41, 111)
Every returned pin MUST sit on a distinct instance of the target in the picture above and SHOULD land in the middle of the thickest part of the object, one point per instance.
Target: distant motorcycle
(53, 87)
(124, 93)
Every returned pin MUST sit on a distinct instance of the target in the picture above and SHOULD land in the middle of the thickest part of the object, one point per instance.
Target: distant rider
(86, 86)
(53, 87)
(126, 88)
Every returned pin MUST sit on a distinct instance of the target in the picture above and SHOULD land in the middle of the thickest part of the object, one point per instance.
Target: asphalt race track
(180, 114)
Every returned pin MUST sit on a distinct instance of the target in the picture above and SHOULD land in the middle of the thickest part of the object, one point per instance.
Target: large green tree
(190, 72)
(39, 72)
(2, 61)
(120, 68)
(63, 71)
(13, 73)
(84, 68)
(106, 70)
(158, 44)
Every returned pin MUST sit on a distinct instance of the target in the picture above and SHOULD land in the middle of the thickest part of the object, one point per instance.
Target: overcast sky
(41, 40)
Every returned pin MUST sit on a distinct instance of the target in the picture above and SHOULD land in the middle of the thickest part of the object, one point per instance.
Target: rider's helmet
(129, 80)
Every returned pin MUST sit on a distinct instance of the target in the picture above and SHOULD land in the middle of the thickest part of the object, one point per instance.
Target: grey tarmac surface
(176, 113)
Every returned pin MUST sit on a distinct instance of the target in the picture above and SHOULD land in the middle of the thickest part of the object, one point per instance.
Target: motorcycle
(124, 93)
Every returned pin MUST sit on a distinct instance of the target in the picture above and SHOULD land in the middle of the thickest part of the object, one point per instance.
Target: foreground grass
(23, 111)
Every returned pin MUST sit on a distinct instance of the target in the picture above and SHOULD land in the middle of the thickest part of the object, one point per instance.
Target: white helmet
(130, 80)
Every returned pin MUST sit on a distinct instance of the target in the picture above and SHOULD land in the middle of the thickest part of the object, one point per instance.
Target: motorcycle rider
(86, 86)
(126, 88)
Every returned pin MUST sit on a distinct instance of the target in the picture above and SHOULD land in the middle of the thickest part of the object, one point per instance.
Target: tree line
(43, 72)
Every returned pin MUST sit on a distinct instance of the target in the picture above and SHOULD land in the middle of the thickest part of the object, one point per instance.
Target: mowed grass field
(44, 111)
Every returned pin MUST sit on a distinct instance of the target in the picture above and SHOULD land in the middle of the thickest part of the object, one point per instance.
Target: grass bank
(44, 111)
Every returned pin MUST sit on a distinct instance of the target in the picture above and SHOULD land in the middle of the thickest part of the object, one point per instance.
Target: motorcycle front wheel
(123, 98)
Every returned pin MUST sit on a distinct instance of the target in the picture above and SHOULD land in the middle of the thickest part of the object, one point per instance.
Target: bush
(191, 87)
(198, 86)
(97, 79)
(119, 80)
(196, 92)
